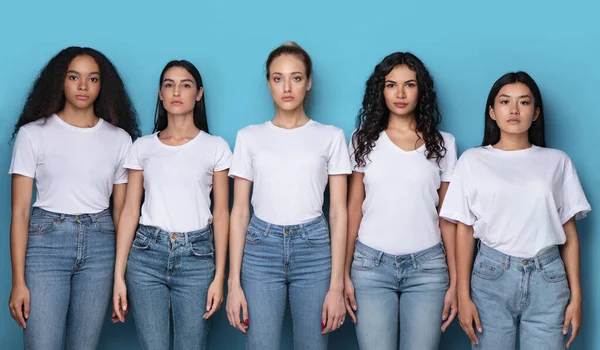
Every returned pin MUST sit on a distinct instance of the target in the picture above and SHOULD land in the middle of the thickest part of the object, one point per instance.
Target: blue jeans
(399, 296)
(169, 274)
(278, 260)
(513, 295)
(69, 272)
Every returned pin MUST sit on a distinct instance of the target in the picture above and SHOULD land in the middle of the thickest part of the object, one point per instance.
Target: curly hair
(374, 115)
(47, 96)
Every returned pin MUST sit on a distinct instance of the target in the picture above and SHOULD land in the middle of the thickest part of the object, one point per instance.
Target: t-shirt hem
(21, 172)
(455, 218)
(132, 167)
(243, 176)
(120, 182)
(339, 172)
(222, 168)
(579, 213)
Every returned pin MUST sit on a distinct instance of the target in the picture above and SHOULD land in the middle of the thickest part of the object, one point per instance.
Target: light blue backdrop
(467, 45)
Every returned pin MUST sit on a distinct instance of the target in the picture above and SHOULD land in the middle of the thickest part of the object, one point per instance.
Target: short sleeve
(338, 159)
(132, 160)
(222, 156)
(573, 200)
(459, 197)
(24, 158)
(121, 172)
(351, 150)
(448, 163)
(241, 162)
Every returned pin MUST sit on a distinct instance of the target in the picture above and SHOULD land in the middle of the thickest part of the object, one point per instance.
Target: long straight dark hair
(491, 133)
(160, 117)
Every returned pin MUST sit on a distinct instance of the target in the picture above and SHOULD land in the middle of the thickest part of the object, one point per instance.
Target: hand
(215, 298)
(467, 314)
(450, 308)
(236, 300)
(19, 303)
(120, 307)
(572, 317)
(351, 306)
(334, 311)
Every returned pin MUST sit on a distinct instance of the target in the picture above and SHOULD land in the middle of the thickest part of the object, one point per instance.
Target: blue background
(466, 45)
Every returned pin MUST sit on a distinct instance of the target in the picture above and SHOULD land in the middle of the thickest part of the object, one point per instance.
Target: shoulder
(326, 129)
(214, 141)
(119, 134)
(448, 138)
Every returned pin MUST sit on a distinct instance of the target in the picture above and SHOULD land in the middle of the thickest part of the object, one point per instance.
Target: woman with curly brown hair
(397, 268)
(72, 136)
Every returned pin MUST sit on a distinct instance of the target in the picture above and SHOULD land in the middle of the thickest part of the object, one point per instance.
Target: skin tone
(289, 85)
(401, 94)
(514, 112)
(179, 94)
(81, 87)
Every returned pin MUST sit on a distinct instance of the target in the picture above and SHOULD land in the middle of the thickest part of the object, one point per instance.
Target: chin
(288, 107)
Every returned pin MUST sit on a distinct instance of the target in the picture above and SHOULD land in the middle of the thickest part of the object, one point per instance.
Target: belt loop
(413, 258)
(379, 257)
(507, 259)
(187, 238)
(267, 229)
(155, 234)
(538, 265)
(443, 249)
(62, 217)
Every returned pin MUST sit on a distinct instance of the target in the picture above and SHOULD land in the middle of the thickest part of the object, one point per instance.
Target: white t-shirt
(401, 196)
(516, 201)
(178, 180)
(289, 168)
(74, 168)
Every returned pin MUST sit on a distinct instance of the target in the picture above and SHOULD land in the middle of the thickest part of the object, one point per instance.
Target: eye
(297, 79)
(168, 85)
(390, 85)
(94, 79)
(410, 85)
(72, 77)
(277, 79)
(187, 86)
(525, 103)
(504, 102)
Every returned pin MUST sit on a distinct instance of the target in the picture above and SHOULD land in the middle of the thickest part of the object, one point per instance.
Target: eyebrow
(76, 72)
(290, 73)
(522, 96)
(408, 81)
(171, 80)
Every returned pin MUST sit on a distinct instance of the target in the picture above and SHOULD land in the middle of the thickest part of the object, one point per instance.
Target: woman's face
(288, 82)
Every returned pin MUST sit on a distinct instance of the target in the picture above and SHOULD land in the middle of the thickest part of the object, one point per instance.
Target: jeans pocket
(254, 235)
(106, 225)
(487, 268)
(363, 261)
(141, 242)
(41, 225)
(435, 264)
(554, 271)
(317, 237)
(203, 246)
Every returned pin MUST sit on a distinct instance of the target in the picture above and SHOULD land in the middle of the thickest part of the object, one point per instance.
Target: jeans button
(399, 259)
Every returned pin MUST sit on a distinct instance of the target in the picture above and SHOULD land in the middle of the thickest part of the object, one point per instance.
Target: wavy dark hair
(491, 133)
(374, 115)
(161, 119)
(47, 96)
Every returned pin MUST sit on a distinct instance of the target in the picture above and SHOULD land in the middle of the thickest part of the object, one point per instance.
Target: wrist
(18, 281)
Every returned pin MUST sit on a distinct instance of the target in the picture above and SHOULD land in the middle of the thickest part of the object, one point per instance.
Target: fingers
(117, 309)
(470, 332)
(244, 324)
(350, 311)
(446, 311)
(450, 318)
(26, 304)
(212, 306)
(477, 322)
(324, 320)
(574, 332)
(16, 311)
(566, 324)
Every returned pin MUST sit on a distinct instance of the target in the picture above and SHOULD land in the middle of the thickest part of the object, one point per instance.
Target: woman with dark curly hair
(397, 267)
(72, 136)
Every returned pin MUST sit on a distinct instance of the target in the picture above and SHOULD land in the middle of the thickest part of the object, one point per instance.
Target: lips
(400, 104)
(82, 97)
(513, 121)
(176, 103)
(288, 98)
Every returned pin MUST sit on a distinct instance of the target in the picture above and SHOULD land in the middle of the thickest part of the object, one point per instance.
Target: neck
(402, 122)
(180, 126)
(290, 119)
(81, 118)
(513, 142)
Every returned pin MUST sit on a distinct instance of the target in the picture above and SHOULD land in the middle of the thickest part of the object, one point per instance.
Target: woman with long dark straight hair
(520, 200)
(400, 285)
(72, 137)
(174, 262)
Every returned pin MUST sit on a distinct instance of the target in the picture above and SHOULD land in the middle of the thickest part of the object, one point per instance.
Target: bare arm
(221, 222)
(128, 221)
(570, 255)
(356, 197)
(448, 231)
(22, 191)
(118, 201)
(467, 311)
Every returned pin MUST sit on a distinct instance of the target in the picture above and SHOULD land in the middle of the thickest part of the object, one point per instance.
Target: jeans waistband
(386, 258)
(69, 217)
(158, 233)
(544, 258)
(287, 229)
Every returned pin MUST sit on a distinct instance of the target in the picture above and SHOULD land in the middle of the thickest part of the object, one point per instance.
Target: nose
(287, 86)
(176, 91)
(82, 85)
(514, 110)
(400, 93)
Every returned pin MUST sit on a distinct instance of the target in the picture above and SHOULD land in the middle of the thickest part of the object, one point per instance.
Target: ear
(491, 112)
(200, 94)
(309, 84)
(160, 96)
(536, 114)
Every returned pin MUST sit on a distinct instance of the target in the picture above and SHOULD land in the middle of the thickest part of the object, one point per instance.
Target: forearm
(338, 219)
(465, 247)
(570, 255)
(448, 230)
(240, 217)
(19, 234)
(354, 219)
(221, 228)
(128, 222)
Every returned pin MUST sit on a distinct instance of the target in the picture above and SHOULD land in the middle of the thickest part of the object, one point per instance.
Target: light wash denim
(168, 274)
(278, 260)
(69, 272)
(400, 298)
(528, 296)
